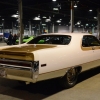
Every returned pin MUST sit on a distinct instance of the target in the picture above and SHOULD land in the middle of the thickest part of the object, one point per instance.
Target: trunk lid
(22, 52)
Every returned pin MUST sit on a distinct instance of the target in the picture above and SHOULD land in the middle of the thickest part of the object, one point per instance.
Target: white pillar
(3, 26)
(12, 27)
(30, 28)
(21, 30)
(98, 17)
(53, 27)
(72, 18)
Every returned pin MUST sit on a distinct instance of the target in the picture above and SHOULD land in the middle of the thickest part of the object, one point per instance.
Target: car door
(95, 44)
(88, 53)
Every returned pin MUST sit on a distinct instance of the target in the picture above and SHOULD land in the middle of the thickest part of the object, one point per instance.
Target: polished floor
(87, 88)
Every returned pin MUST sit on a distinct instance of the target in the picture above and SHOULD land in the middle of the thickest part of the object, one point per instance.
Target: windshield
(51, 39)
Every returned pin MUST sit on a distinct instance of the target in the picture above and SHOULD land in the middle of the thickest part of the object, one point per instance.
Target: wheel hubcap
(71, 75)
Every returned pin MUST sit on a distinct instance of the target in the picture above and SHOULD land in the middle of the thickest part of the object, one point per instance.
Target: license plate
(2, 72)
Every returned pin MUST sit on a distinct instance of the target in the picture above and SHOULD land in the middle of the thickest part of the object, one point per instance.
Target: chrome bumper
(28, 71)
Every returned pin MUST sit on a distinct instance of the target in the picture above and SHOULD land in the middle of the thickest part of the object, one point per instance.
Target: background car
(25, 39)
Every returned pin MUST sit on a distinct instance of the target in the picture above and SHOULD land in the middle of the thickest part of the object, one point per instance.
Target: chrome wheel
(71, 75)
(70, 79)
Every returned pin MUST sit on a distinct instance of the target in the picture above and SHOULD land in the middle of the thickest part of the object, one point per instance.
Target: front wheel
(70, 79)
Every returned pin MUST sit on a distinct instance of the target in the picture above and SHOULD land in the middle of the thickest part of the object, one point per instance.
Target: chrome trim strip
(26, 62)
(15, 67)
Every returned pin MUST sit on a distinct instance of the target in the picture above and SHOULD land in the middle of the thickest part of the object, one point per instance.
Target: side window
(85, 41)
(93, 41)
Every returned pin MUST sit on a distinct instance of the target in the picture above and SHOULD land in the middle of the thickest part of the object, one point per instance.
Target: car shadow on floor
(40, 90)
(88, 74)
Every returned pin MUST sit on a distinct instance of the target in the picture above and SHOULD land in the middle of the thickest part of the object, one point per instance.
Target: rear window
(51, 39)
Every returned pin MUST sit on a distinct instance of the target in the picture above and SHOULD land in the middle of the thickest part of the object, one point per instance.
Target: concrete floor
(87, 88)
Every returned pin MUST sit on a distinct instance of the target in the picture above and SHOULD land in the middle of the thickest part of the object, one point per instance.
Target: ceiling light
(36, 18)
(58, 21)
(90, 10)
(44, 17)
(47, 20)
(55, 8)
(38, 15)
(75, 6)
(2, 19)
(78, 23)
(95, 17)
(43, 24)
(87, 24)
(17, 12)
(15, 15)
(53, 0)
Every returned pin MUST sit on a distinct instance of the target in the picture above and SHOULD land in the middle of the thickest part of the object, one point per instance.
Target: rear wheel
(70, 79)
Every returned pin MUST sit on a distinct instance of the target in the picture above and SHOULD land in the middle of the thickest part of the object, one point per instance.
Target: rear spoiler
(21, 55)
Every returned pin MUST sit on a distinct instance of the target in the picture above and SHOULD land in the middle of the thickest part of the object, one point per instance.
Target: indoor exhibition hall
(49, 49)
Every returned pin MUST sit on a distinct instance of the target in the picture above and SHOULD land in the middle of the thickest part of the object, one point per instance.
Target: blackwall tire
(70, 79)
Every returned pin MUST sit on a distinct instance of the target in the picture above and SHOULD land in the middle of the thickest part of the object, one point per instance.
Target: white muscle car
(50, 56)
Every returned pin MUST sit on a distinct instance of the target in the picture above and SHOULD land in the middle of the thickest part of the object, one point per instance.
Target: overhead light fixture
(44, 17)
(87, 24)
(55, 8)
(15, 15)
(47, 20)
(95, 17)
(75, 6)
(90, 10)
(17, 12)
(38, 15)
(43, 24)
(79, 22)
(2, 19)
(58, 21)
(53, 0)
(36, 18)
